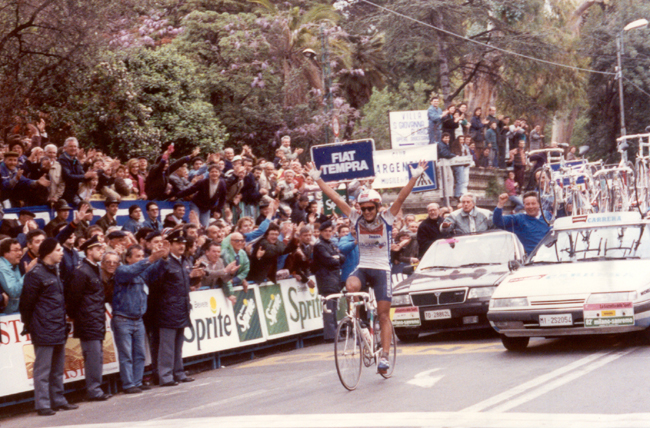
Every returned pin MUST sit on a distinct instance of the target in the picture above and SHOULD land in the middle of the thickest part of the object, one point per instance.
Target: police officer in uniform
(327, 263)
(85, 301)
(171, 280)
(42, 311)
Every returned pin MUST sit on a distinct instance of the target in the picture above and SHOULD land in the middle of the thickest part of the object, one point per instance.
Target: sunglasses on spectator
(367, 209)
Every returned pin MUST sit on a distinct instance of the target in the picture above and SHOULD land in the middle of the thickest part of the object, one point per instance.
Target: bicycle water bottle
(366, 335)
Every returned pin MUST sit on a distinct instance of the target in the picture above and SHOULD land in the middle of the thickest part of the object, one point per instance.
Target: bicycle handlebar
(366, 299)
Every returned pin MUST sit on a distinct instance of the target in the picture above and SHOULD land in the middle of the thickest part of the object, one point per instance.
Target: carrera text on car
(589, 275)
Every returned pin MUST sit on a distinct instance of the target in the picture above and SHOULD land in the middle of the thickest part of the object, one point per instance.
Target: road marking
(448, 349)
(239, 398)
(213, 404)
(581, 371)
(547, 378)
(424, 379)
(412, 419)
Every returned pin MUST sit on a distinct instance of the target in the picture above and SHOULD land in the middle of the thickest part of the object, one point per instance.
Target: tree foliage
(599, 43)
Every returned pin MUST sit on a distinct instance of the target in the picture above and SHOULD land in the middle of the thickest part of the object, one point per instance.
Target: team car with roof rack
(589, 275)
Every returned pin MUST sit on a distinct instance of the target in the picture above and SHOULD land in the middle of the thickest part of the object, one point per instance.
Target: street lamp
(639, 23)
(324, 66)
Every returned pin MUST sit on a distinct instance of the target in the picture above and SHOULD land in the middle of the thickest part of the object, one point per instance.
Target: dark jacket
(266, 267)
(428, 233)
(298, 266)
(156, 182)
(201, 192)
(71, 257)
(85, 299)
(42, 306)
(327, 265)
(72, 173)
(105, 223)
(27, 258)
(449, 125)
(169, 281)
(250, 192)
(129, 296)
(444, 151)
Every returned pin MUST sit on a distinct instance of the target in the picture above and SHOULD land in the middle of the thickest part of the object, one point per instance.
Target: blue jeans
(204, 216)
(129, 338)
(461, 180)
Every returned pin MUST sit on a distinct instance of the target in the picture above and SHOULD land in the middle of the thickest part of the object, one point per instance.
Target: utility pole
(327, 81)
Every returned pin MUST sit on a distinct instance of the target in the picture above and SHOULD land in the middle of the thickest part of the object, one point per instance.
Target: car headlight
(478, 292)
(623, 296)
(401, 300)
(508, 303)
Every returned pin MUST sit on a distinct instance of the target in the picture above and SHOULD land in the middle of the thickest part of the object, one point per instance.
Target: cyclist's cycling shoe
(383, 365)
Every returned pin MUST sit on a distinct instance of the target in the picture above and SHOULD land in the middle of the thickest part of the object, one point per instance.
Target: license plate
(437, 315)
(555, 320)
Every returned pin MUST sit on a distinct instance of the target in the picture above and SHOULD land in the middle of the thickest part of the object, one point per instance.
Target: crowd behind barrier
(171, 251)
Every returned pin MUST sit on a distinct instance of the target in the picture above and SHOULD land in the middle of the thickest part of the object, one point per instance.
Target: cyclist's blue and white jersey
(374, 239)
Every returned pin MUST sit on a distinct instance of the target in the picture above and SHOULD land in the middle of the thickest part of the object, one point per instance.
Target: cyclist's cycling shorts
(378, 279)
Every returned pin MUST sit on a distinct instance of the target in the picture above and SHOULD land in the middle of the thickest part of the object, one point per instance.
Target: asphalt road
(462, 380)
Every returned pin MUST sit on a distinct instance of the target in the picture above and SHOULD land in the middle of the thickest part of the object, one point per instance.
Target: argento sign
(345, 161)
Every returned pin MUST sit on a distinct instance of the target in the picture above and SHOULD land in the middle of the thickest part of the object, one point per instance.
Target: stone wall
(479, 183)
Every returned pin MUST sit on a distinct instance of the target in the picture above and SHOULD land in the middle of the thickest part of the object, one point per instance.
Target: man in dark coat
(62, 213)
(33, 238)
(108, 220)
(71, 169)
(429, 229)
(327, 264)
(85, 302)
(158, 177)
(171, 280)
(207, 193)
(299, 262)
(42, 311)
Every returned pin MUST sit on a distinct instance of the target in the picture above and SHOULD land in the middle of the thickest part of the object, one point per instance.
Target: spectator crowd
(250, 220)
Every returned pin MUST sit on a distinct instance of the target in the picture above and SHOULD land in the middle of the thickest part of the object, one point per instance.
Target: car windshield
(602, 243)
(468, 251)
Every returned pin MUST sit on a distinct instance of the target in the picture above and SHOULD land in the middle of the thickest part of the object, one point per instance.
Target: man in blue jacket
(530, 227)
(129, 306)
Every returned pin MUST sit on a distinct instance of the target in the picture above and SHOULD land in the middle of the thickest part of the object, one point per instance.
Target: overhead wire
(505, 51)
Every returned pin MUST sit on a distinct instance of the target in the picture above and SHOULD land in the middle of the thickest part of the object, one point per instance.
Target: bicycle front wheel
(392, 354)
(347, 354)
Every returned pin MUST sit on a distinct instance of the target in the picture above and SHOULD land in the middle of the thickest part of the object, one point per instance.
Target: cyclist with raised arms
(374, 237)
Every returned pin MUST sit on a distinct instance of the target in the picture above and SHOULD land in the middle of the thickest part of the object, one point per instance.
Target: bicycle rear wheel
(347, 354)
(392, 354)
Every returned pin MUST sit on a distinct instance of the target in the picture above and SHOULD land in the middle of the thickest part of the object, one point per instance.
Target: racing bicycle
(357, 345)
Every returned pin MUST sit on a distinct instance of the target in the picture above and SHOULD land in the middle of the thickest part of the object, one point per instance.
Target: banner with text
(391, 166)
(408, 128)
(345, 161)
(262, 313)
(17, 356)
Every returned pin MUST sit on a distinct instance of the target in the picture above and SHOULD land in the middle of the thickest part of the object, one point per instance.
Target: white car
(451, 287)
(589, 275)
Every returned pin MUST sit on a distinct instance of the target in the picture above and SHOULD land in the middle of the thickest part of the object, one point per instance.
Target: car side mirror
(408, 270)
(513, 265)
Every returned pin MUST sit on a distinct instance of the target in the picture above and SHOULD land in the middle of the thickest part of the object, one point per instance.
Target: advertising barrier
(17, 356)
(264, 312)
(44, 213)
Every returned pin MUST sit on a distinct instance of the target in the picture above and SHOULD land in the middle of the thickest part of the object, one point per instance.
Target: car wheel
(407, 334)
(515, 343)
